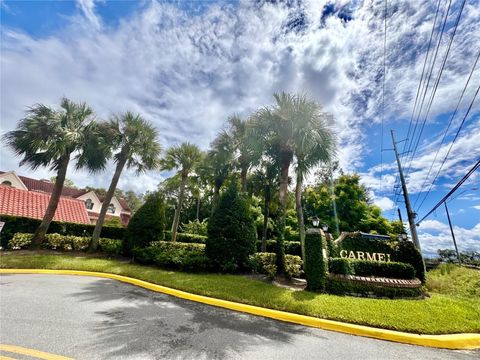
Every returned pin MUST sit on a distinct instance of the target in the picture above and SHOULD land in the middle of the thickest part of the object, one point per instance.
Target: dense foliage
(264, 263)
(340, 266)
(65, 242)
(15, 224)
(316, 265)
(173, 255)
(146, 225)
(231, 233)
(291, 247)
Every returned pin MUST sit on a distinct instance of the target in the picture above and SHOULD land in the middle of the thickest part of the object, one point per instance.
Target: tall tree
(243, 152)
(289, 127)
(134, 141)
(185, 159)
(51, 138)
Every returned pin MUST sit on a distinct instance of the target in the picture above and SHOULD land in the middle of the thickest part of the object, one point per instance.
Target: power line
(437, 81)
(462, 180)
(450, 148)
(383, 85)
(448, 127)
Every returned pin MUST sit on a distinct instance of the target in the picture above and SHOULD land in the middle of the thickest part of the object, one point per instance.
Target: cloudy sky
(188, 65)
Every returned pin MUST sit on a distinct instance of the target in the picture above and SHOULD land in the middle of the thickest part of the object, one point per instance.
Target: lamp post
(325, 228)
(315, 221)
(402, 236)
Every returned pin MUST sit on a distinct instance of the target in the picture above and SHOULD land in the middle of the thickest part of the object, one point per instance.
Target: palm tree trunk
(299, 209)
(42, 229)
(282, 196)
(243, 179)
(216, 195)
(176, 218)
(266, 214)
(106, 203)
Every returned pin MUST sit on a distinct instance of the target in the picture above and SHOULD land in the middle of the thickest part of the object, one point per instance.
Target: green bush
(18, 224)
(393, 270)
(343, 287)
(291, 247)
(196, 227)
(231, 233)
(340, 266)
(146, 225)
(264, 263)
(315, 263)
(110, 246)
(191, 238)
(173, 255)
(405, 252)
(64, 242)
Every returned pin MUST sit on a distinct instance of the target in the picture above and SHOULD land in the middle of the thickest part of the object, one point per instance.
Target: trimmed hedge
(340, 266)
(191, 238)
(341, 287)
(264, 263)
(65, 242)
(174, 255)
(291, 247)
(316, 266)
(393, 270)
(18, 224)
(401, 251)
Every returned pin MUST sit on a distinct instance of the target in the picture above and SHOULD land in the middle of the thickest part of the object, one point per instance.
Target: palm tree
(185, 158)
(217, 165)
(294, 126)
(135, 140)
(50, 138)
(244, 154)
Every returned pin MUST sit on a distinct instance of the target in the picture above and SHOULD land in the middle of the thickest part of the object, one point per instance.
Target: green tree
(231, 232)
(289, 128)
(67, 183)
(146, 225)
(185, 158)
(51, 138)
(136, 146)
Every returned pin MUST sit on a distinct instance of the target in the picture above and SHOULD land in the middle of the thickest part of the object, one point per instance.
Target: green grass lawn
(451, 312)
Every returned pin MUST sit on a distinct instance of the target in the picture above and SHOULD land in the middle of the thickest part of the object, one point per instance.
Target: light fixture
(315, 221)
(325, 227)
(404, 236)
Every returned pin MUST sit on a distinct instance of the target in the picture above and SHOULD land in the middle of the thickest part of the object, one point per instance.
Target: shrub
(394, 270)
(110, 246)
(191, 238)
(406, 252)
(64, 242)
(18, 224)
(264, 263)
(146, 225)
(196, 227)
(173, 255)
(291, 247)
(315, 263)
(231, 233)
(340, 266)
(342, 287)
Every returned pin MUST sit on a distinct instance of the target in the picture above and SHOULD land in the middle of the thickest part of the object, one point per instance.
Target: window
(89, 204)
(111, 209)
(7, 183)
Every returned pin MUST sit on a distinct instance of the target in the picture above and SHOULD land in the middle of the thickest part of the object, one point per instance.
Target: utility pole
(451, 230)
(411, 215)
(399, 215)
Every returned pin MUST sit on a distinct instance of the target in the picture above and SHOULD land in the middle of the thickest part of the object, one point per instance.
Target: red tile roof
(46, 186)
(33, 204)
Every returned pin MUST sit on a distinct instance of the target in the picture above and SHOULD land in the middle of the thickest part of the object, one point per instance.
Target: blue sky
(187, 66)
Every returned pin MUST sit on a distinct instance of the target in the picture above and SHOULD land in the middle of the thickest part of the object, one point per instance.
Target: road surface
(94, 318)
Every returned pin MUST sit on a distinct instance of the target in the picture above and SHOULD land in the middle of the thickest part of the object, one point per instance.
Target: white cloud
(434, 235)
(384, 203)
(187, 73)
(476, 207)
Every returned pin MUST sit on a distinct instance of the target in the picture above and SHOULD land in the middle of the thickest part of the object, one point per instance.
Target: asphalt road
(95, 318)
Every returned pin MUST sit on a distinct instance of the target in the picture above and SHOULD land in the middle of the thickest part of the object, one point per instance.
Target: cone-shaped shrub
(146, 225)
(231, 233)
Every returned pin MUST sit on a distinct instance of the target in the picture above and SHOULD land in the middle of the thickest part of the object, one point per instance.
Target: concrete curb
(451, 341)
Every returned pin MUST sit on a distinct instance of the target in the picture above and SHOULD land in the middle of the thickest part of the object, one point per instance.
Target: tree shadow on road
(143, 324)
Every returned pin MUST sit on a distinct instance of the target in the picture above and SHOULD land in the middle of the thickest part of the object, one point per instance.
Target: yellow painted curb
(451, 341)
(30, 352)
